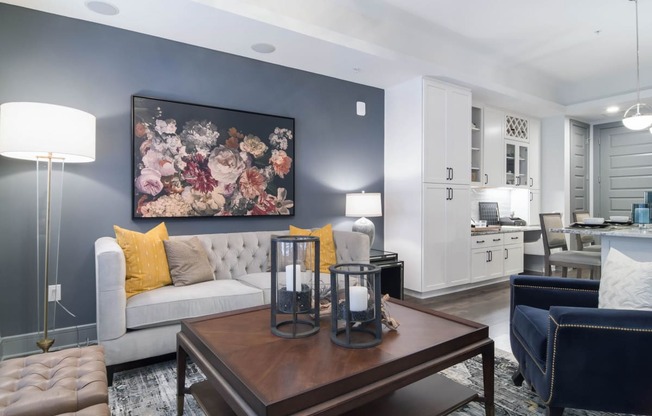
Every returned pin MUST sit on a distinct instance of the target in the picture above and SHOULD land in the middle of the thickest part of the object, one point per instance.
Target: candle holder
(295, 286)
(355, 305)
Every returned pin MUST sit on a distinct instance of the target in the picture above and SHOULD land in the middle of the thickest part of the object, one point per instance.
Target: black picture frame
(197, 161)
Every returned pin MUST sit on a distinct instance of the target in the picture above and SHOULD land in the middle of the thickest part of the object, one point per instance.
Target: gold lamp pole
(46, 133)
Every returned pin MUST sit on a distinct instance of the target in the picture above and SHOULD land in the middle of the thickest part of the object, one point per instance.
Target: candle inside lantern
(357, 298)
(290, 271)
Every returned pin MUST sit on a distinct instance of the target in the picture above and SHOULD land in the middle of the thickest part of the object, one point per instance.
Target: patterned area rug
(151, 390)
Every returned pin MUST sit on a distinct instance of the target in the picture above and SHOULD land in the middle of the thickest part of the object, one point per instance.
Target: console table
(391, 272)
(249, 371)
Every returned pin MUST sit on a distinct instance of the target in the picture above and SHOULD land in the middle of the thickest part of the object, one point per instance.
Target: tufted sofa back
(236, 254)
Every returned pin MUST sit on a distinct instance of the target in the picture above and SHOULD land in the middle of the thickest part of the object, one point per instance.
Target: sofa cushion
(170, 304)
(625, 283)
(327, 256)
(147, 264)
(263, 281)
(188, 261)
(530, 325)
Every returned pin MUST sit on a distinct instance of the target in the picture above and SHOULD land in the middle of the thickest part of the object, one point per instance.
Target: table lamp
(364, 205)
(48, 134)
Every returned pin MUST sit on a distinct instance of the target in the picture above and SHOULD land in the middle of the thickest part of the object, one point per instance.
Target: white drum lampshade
(364, 205)
(35, 130)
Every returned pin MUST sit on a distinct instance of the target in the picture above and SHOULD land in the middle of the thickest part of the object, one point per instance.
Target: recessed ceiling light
(102, 7)
(263, 47)
(357, 69)
(613, 109)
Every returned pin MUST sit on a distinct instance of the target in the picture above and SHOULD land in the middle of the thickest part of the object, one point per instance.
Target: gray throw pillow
(188, 261)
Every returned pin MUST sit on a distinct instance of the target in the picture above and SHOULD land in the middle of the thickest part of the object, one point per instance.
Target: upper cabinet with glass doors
(516, 163)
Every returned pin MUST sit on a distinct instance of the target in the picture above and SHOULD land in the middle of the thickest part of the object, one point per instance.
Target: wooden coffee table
(250, 371)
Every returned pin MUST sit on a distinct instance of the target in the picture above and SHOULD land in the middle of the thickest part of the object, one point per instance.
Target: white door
(479, 259)
(493, 153)
(435, 167)
(535, 154)
(535, 207)
(513, 260)
(458, 136)
(447, 236)
(458, 231)
(625, 169)
(435, 199)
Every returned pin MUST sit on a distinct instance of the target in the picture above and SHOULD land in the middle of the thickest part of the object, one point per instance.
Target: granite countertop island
(629, 231)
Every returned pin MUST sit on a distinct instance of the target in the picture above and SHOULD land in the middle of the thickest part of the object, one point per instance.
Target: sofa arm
(601, 356)
(543, 292)
(111, 297)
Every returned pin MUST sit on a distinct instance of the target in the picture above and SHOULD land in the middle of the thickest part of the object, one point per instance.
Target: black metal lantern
(295, 286)
(356, 320)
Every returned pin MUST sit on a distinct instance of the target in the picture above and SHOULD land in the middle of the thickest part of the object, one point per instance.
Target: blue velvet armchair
(575, 355)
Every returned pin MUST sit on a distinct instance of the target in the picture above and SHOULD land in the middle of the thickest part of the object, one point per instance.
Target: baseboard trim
(454, 289)
(25, 344)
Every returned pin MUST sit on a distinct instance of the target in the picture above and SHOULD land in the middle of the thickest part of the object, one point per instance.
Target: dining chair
(585, 242)
(556, 251)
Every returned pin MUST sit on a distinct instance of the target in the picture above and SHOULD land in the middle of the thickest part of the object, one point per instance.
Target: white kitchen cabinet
(513, 254)
(535, 206)
(445, 247)
(486, 257)
(427, 198)
(493, 152)
(446, 133)
(535, 155)
(516, 164)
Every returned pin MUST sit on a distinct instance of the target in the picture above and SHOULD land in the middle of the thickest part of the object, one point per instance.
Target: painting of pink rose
(194, 160)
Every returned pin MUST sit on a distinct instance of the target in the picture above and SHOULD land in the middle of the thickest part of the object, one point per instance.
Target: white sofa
(145, 325)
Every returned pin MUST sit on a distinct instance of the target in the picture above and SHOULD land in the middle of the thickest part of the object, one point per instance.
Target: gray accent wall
(52, 59)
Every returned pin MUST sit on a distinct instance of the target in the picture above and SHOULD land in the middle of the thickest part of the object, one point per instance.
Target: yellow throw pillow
(147, 264)
(327, 255)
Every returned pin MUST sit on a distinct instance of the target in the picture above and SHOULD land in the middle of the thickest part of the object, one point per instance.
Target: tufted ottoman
(67, 382)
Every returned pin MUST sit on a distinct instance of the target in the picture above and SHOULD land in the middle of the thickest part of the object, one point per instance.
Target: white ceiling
(549, 57)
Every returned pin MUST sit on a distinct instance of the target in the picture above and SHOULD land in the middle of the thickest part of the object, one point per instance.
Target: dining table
(633, 240)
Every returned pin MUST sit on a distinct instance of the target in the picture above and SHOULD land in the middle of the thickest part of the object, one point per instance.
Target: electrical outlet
(54, 293)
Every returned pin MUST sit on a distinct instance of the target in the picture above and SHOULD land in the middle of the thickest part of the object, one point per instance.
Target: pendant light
(638, 116)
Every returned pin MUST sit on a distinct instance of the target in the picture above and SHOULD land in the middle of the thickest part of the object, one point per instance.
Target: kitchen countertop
(611, 231)
(507, 229)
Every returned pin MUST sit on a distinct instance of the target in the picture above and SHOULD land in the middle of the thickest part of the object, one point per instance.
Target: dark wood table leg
(181, 378)
(488, 379)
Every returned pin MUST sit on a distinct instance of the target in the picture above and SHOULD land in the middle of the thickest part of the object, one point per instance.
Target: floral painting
(199, 161)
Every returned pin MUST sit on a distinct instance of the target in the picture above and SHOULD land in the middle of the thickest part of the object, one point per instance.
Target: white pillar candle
(357, 298)
(290, 271)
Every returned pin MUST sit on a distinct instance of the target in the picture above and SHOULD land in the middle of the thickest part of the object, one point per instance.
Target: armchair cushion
(531, 327)
(625, 283)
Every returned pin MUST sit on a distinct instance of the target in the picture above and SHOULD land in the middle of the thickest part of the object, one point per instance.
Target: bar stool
(585, 242)
(565, 258)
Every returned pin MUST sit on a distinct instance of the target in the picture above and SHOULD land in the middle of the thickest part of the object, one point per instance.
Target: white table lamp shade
(34, 130)
(363, 205)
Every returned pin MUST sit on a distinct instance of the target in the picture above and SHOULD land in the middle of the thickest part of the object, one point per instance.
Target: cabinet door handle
(491, 255)
(452, 173)
(514, 238)
(496, 239)
(531, 197)
(479, 242)
(486, 179)
(506, 254)
(452, 196)
(488, 258)
(518, 181)
(531, 182)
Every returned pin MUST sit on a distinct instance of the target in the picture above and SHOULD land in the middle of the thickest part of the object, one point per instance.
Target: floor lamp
(49, 134)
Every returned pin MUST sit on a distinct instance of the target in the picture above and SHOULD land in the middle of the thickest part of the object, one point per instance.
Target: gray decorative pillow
(625, 283)
(188, 261)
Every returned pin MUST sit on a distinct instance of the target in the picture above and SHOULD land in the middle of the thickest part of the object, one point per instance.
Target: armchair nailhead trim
(554, 345)
(566, 289)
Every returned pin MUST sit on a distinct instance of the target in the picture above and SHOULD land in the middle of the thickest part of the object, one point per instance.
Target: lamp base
(45, 344)
(364, 226)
